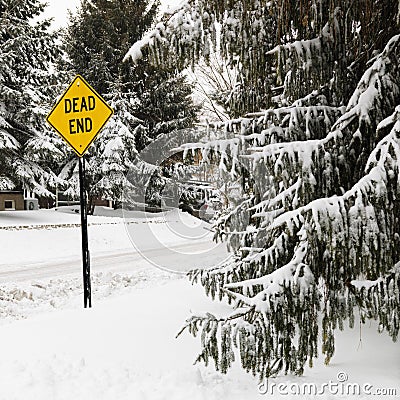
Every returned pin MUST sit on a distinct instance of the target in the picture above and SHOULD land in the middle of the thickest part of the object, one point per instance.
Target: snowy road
(46, 244)
(182, 256)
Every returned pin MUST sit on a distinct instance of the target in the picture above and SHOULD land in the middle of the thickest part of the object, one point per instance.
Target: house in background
(11, 200)
(16, 200)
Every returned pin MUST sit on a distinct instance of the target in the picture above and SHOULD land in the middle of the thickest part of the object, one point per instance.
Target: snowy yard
(125, 346)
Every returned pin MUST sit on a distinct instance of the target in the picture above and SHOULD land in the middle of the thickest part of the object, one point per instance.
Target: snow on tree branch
(323, 216)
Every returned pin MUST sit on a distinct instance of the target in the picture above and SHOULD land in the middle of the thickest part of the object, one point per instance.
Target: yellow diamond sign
(79, 115)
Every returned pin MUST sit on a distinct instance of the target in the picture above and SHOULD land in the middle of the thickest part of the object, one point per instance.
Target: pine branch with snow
(315, 235)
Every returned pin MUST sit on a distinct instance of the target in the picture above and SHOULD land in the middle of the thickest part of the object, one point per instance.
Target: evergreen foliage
(147, 101)
(27, 146)
(342, 35)
(316, 239)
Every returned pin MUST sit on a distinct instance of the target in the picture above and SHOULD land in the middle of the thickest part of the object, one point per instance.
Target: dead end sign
(79, 115)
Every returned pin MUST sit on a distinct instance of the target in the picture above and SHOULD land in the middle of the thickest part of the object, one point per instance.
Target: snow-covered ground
(125, 346)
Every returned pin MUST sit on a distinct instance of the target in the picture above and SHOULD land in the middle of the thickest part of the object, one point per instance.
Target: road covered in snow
(46, 244)
(125, 346)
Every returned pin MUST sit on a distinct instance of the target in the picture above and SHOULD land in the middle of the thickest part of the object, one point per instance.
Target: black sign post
(87, 295)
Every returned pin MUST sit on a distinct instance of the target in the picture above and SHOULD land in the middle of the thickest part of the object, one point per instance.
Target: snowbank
(125, 348)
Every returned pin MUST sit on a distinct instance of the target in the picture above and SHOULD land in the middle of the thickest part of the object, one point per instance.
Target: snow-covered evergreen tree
(147, 101)
(316, 239)
(27, 146)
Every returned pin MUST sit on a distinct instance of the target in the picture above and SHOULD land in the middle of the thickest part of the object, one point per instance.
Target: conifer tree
(147, 101)
(316, 239)
(27, 146)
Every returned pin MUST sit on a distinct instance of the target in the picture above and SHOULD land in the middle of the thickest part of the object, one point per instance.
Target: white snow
(125, 346)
